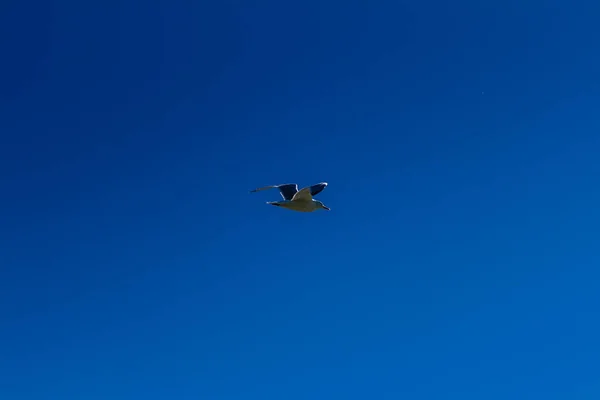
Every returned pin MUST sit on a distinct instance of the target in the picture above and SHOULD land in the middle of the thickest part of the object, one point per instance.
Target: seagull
(297, 200)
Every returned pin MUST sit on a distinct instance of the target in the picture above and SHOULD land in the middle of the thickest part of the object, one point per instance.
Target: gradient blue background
(461, 144)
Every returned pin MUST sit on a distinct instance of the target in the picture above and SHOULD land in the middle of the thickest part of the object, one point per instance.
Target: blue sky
(459, 260)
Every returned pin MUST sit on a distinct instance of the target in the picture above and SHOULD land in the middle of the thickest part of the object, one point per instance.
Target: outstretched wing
(318, 188)
(287, 190)
(303, 195)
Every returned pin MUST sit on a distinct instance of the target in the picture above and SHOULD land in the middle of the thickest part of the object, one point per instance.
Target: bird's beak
(327, 208)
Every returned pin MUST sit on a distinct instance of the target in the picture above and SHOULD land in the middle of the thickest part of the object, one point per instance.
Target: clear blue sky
(461, 144)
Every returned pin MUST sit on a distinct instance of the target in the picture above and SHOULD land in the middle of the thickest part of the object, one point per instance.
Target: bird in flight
(297, 200)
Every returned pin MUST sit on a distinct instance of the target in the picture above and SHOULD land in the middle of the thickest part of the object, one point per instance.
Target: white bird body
(298, 205)
(296, 200)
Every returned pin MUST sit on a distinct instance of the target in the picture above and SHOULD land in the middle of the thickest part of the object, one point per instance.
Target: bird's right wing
(303, 195)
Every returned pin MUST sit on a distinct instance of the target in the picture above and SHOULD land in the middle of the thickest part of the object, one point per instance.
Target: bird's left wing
(318, 188)
(287, 190)
(263, 188)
